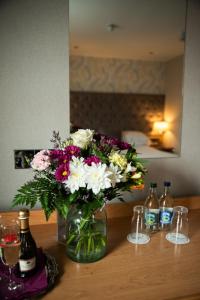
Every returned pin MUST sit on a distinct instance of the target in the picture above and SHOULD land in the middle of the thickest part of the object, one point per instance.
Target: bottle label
(152, 217)
(166, 215)
(26, 265)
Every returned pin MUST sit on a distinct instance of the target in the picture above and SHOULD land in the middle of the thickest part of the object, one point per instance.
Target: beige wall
(34, 87)
(116, 75)
(173, 102)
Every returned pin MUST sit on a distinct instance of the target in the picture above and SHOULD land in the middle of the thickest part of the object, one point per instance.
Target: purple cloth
(31, 286)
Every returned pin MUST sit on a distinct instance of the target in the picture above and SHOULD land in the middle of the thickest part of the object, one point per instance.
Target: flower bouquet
(77, 178)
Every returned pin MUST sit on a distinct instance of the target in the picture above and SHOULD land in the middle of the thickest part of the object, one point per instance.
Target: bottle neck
(166, 190)
(153, 191)
(24, 225)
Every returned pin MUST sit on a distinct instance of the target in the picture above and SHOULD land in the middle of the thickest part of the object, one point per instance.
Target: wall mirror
(126, 71)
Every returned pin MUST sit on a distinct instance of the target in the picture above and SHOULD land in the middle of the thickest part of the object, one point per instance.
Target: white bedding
(141, 142)
(145, 151)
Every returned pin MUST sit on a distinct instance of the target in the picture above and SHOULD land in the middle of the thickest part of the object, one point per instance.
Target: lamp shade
(160, 127)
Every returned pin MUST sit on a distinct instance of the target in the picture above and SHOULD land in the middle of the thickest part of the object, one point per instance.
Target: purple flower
(64, 159)
(124, 146)
(72, 151)
(92, 159)
(110, 140)
(56, 154)
(62, 172)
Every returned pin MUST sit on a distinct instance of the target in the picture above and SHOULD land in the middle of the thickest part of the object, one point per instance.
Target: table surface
(157, 270)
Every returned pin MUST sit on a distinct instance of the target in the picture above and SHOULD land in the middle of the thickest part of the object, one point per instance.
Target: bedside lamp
(159, 127)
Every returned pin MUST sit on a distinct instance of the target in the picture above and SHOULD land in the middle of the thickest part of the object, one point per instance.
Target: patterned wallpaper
(110, 113)
(116, 75)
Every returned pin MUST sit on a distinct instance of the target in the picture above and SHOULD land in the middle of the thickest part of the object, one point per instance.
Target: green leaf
(95, 151)
(72, 197)
(46, 191)
(131, 154)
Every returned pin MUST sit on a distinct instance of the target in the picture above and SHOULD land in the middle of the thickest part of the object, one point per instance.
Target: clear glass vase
(86, 235)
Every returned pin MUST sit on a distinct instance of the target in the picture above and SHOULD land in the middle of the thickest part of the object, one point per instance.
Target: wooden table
(158, 270)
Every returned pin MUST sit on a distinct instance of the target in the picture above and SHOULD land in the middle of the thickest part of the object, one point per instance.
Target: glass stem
(10, 276)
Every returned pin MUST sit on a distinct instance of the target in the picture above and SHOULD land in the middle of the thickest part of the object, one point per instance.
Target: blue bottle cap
(167, 183)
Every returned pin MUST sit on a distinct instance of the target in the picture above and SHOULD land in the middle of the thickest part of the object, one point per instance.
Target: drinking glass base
(139, 238)
(13, 286)
(177, 238)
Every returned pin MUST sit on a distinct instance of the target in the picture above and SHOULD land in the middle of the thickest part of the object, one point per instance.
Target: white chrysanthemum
(76, 161)
(97, 177)
(115, 175)
(77, 175)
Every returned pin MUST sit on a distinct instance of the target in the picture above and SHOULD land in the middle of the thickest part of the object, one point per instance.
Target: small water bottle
(166, 204)
(152, 209)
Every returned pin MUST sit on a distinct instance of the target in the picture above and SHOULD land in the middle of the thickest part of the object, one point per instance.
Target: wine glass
(10, 243)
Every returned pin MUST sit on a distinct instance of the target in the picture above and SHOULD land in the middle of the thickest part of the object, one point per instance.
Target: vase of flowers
(77, 178)
(86, 234)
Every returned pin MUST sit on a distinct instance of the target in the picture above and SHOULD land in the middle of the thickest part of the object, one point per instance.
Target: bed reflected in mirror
(126, 71)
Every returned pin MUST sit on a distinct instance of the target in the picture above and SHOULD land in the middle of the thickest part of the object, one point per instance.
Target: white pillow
(135, 137)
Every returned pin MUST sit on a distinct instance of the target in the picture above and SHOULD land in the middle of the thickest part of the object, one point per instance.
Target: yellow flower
(118, 160)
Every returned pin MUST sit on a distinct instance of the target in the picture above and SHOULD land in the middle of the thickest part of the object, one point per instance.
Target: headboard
(110, 113)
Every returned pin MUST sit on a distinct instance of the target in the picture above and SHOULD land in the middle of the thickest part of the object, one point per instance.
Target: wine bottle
(28, 249)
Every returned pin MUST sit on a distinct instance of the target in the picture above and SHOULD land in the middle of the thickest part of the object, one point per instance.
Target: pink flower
(41, 160)
(62, 173)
